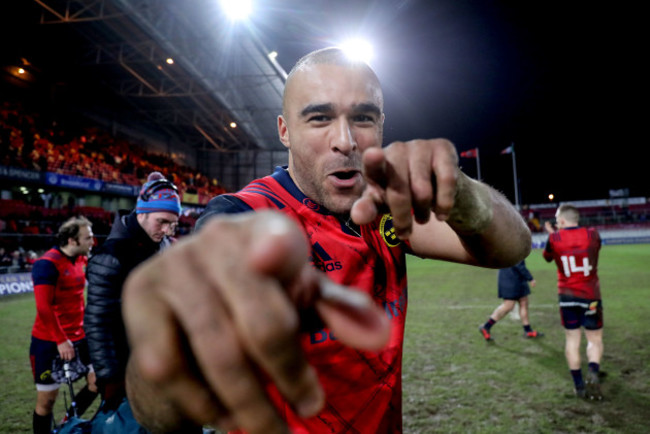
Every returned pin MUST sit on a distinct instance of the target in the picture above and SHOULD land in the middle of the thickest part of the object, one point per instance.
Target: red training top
(575, 251)
(363, 389)
(59, 283)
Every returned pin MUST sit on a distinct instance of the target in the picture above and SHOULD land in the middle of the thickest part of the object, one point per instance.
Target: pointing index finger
(445, 168)
(374, 167)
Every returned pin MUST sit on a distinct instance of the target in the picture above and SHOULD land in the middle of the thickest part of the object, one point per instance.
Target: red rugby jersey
(363, 389)
(575, 251)
(59, 284)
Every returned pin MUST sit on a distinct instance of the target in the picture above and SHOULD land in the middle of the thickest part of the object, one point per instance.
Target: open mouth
(345, 178)
(345, 175)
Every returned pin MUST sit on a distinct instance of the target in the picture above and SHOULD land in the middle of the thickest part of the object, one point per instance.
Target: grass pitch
(454, 382)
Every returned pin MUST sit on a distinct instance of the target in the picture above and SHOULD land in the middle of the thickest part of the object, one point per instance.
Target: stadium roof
(118, 51)
(556, 82)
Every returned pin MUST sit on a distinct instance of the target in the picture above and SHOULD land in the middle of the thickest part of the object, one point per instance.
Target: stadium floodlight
(169, 61)
(237, 10)
(358, 49)
(273, 55)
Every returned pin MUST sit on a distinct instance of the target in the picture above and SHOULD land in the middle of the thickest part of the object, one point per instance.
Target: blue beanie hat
(158, 195)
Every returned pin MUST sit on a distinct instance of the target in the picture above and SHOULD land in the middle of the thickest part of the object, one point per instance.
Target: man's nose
(343, 140)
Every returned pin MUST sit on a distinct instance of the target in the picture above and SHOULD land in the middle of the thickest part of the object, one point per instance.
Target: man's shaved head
(327, 56)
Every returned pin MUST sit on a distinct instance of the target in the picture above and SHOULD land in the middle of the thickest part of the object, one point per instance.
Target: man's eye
(319, 118)
(364, 118)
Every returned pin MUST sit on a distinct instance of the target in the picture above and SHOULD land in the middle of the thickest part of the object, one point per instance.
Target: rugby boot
(592, 387)
(485, 333)
(533, 334)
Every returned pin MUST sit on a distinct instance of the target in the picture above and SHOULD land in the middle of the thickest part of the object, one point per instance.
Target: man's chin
(341, 204)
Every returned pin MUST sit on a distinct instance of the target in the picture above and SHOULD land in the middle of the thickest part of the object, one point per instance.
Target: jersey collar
(281, 175)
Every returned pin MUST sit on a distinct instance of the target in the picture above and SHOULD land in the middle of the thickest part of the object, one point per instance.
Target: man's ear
(283, 132)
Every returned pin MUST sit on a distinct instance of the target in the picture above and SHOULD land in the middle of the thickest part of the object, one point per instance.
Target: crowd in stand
(28, 142)
(18, 260)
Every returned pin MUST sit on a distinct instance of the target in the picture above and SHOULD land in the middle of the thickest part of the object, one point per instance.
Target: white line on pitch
(485, 306)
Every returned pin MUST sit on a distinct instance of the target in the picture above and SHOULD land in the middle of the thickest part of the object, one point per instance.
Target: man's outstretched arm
(206, 316)
(441, 211)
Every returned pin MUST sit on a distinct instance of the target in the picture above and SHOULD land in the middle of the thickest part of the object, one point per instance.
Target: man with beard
(134, 237)
(59, 285)
(293, 315)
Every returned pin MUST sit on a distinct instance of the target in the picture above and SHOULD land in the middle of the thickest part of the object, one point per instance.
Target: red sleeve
(548, 251)
(44, 295)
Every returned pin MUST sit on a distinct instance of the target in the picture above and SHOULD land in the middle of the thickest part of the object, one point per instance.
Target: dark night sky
(562, 80)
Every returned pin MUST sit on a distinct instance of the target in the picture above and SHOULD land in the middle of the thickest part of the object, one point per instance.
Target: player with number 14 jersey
(575, 252)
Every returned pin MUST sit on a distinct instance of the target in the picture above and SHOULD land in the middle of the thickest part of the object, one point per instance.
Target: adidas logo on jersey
(322, 260)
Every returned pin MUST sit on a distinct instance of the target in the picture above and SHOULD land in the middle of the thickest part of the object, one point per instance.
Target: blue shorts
(579, 312)
(42, 354)
(514, 292)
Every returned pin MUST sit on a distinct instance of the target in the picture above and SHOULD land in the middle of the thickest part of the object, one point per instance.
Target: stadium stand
(610, 214)
(619, 221)
(35, 149)
(91, 153)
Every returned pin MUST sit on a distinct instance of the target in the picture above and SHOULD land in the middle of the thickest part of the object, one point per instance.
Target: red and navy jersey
(575, 251)
(59, 283)
(363, 389)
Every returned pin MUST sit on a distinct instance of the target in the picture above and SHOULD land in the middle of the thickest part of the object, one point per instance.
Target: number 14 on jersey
(570, 266)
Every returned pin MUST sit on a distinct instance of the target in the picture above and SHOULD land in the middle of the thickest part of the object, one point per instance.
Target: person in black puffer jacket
(134, 237)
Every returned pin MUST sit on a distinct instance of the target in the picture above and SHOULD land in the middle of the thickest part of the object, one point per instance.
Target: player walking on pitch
(513, 289)
(575, 252)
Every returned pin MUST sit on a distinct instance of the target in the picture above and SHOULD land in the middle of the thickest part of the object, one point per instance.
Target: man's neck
(68, 251)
